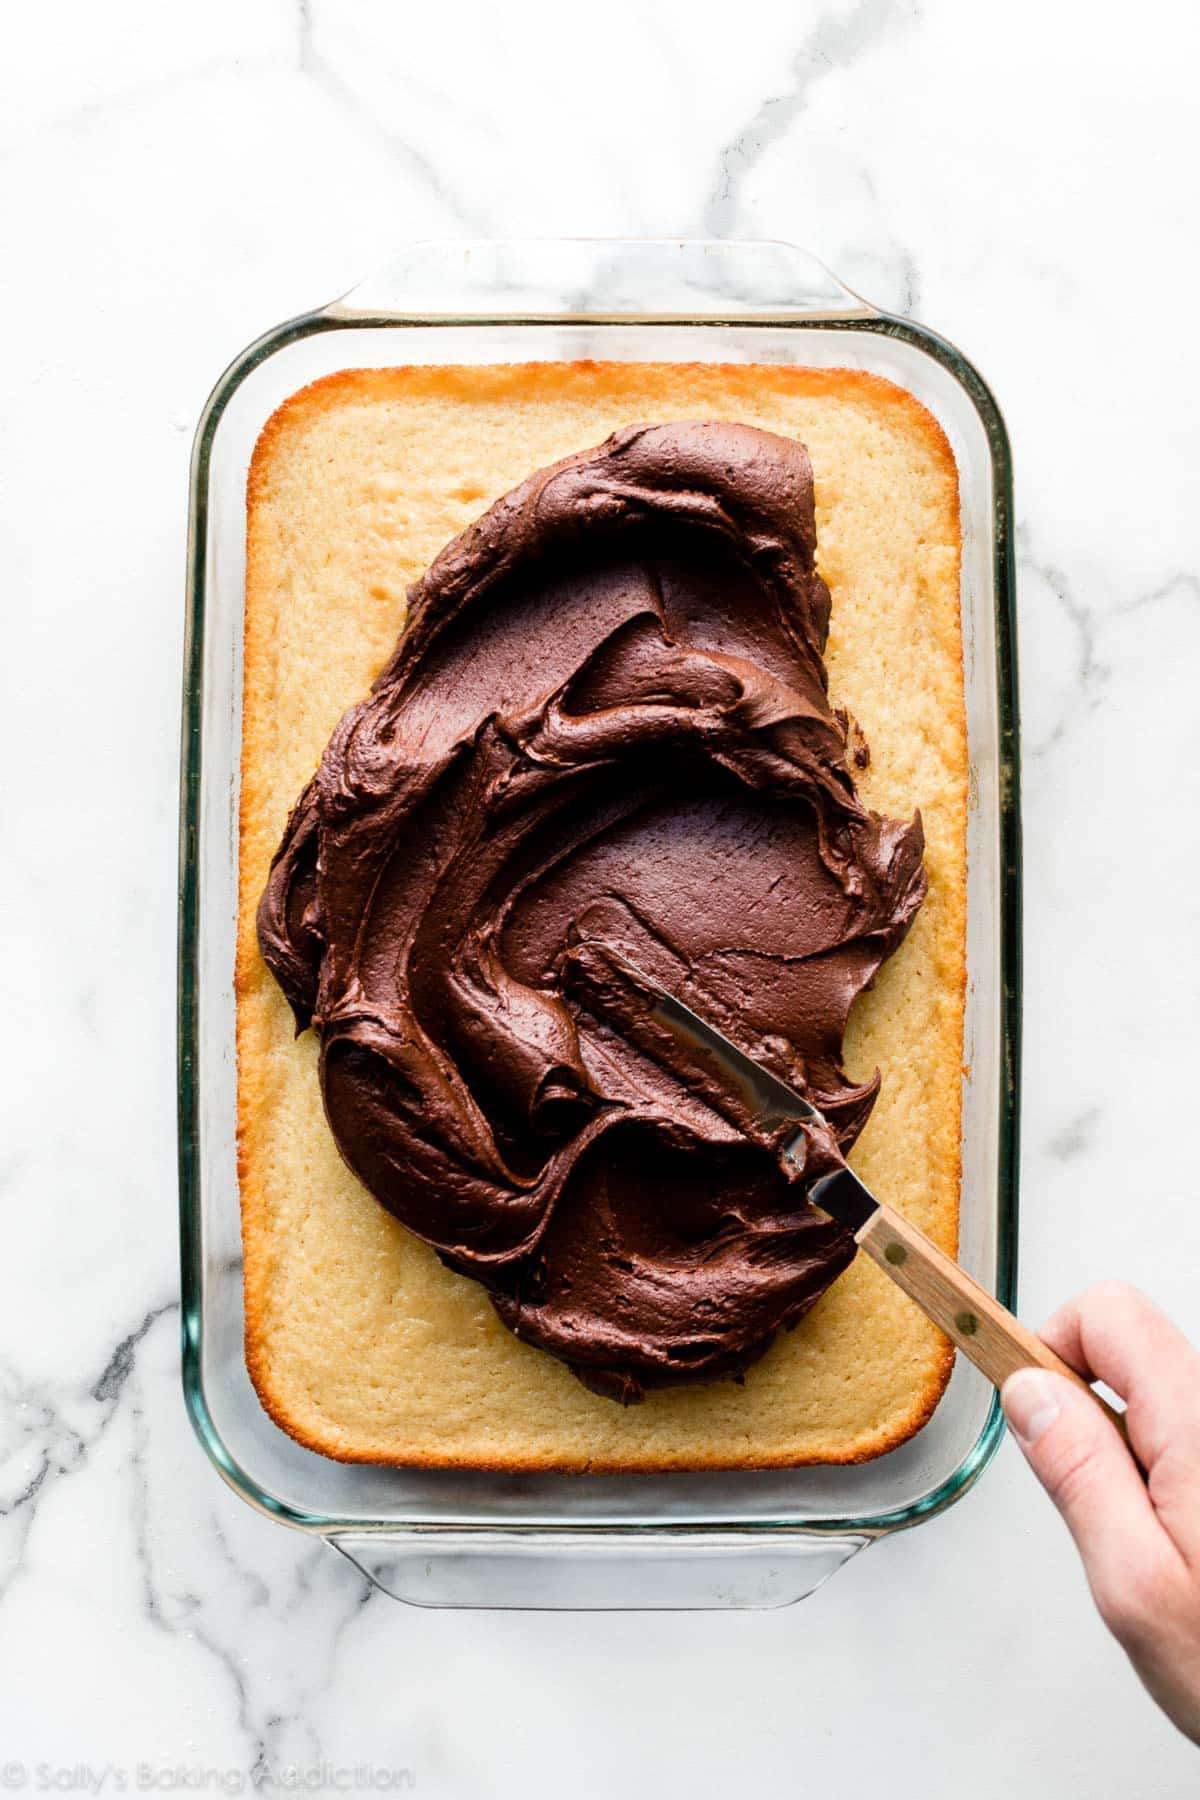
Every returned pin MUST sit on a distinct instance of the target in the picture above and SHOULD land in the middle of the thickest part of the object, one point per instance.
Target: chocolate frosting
(605, 726)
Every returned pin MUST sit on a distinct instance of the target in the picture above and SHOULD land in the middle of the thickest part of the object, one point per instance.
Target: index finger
(1114, 1333)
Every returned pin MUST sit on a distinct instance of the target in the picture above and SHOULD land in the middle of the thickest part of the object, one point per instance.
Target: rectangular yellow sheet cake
(360, 1342)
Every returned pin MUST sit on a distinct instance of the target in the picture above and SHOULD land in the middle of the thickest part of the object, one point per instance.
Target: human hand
(1139, 1539)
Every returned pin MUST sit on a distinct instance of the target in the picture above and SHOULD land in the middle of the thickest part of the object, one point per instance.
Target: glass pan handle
(593, 279)
(611, 1571)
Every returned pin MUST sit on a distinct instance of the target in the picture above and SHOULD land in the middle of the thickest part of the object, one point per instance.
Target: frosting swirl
(606, 724)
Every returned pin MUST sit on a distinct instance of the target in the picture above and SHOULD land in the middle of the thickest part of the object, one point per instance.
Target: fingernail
(1031, 1403)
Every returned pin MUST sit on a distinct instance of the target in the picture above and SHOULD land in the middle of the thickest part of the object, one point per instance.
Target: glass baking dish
(475, 1539)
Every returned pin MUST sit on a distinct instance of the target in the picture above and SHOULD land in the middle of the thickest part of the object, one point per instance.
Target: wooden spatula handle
(984, 1331)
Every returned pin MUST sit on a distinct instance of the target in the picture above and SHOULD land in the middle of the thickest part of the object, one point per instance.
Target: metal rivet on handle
(896, 1253)
(967, 1323)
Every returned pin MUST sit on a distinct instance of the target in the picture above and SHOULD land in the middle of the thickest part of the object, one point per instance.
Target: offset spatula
(986, 1332)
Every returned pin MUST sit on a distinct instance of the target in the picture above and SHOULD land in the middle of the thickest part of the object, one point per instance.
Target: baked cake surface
(360, 1342)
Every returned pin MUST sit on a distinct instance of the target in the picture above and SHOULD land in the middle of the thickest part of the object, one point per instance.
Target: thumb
(1077, 1455)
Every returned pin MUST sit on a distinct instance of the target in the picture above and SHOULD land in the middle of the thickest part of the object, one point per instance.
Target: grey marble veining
(176, 179)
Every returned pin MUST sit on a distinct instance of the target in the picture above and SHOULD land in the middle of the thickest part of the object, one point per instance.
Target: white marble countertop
(178, 178)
